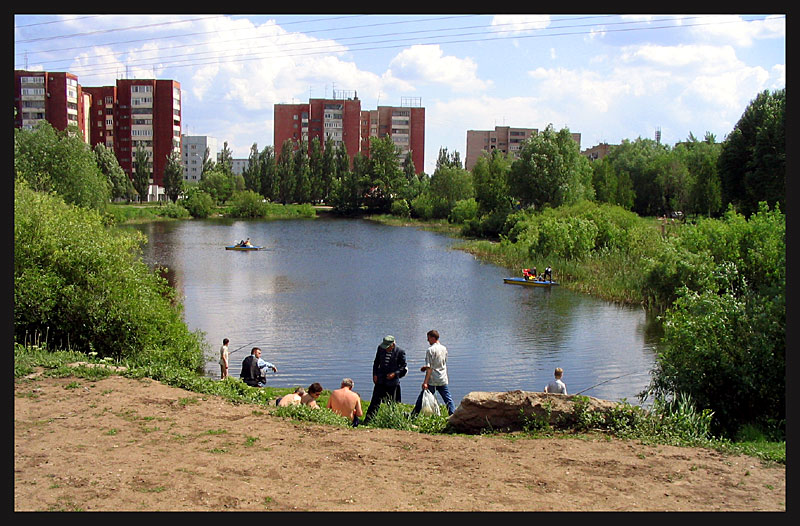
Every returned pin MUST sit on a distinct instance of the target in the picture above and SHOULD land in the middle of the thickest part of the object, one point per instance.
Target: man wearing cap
(387, 369)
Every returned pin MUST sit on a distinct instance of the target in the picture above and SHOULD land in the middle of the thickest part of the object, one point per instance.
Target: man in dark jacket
(387, 369)
(251, 373)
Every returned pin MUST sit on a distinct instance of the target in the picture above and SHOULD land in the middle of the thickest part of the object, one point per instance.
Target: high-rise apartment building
(337, 119)
(101, 115)
(148, 113)
(343, 121)
(55, 97)
(134, 112)
(503, 138)
(193, 148)
(405, 124)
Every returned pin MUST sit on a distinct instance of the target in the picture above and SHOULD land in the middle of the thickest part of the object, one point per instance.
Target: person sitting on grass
(346, 402)
(311, 395)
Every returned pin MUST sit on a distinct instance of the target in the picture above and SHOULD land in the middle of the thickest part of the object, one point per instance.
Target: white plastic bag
(429, 405)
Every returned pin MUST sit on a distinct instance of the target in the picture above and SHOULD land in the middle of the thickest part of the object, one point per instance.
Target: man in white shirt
(435, 369)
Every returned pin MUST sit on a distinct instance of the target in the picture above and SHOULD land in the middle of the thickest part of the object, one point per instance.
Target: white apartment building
(194, 149)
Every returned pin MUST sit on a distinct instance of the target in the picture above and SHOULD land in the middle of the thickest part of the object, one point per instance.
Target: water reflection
(324, 292)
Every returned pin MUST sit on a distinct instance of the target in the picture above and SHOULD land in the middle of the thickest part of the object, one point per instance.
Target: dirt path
(138, 445)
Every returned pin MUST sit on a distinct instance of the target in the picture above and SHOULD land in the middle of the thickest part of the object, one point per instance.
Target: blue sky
(608, 77)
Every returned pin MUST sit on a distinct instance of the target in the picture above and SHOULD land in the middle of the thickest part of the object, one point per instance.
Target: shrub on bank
(83, 286)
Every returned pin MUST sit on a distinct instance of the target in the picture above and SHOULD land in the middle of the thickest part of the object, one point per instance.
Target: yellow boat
(243, 247)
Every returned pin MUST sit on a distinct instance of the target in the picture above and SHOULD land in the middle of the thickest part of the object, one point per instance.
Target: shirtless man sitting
(346, 402)
(291, 398)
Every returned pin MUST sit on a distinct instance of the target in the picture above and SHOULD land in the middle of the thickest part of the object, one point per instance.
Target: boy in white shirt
(556, 386)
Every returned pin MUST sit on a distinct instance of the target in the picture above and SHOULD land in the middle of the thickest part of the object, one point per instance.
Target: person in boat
(548, 274)
(526, 273)
(247, 243)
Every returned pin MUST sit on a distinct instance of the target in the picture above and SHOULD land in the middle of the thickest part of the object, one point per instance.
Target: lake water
(321, 296)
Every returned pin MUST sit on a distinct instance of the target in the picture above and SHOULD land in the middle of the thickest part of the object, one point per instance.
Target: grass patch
(673, 424)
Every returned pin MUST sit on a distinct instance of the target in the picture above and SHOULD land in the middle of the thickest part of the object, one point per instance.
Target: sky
(609, 77)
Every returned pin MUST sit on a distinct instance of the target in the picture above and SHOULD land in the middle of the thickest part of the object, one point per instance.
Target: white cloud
(735, 30)
(520, 23)
(778, 76)
(427, 64)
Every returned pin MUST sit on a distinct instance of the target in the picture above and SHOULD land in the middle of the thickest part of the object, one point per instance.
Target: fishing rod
(243, 346)
(606, 381)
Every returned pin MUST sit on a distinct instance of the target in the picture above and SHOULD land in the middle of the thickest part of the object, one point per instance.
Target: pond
(324, 292)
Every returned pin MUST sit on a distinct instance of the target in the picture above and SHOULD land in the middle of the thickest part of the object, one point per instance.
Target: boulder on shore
(509, 410)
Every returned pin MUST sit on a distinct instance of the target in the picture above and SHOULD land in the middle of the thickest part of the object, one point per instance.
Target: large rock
(508, 411)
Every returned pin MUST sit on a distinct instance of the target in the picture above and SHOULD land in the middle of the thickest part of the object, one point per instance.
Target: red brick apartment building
(404, 124)
(55, 97)
(321, 118)
(132, 112)
(504, 138)
(146, 112)
(343, 120)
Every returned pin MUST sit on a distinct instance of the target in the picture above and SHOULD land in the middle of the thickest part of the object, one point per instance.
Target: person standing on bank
(435, 370)
(223, 359)
(387, 369)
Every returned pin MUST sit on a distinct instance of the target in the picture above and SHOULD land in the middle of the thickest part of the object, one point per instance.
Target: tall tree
(634, 161)
(450, 184)
(387, 177)
(315, 171)
(284, 171)
(550, 171)
(173, 176)
(447, 159)
(301, 170)
(490, 180)
(269, 182)
(208, 163)
(252, 174)
(341, 160)
(226, 159)
(141, 172)
(702, 160)
(328, 168)
(119, 182)
(753, 156)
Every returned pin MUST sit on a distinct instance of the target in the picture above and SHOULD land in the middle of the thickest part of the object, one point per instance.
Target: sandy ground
(137, 445)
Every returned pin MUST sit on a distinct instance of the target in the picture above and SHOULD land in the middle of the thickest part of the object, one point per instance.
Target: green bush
(422, 206)
(247, 204)
(400, 208)
(172, 210)
(463, 211)
(59, 161)
(199, 204)
(83, 286)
